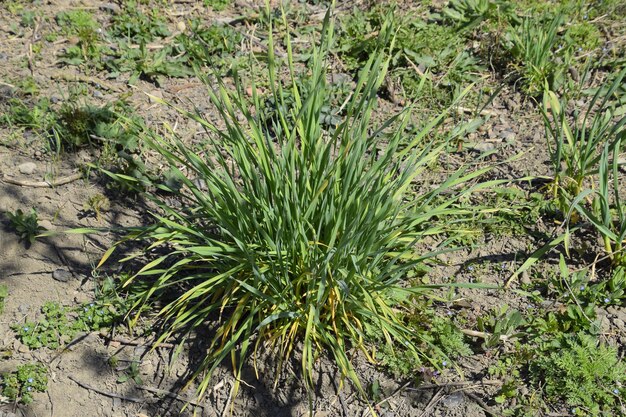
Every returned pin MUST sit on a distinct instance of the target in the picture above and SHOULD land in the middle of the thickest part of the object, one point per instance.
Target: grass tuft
(292, 237)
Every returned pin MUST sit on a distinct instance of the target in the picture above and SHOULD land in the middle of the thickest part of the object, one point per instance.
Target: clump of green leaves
(300, 237)
(59, 325)
(586, 162)
(138, 27)
(71, 125)
(21, 113)
(20, 385)
(422, 52)
(584, 35)
(131, 374)
(586, 374)
(437, 335)
(468, 14)
(217, 5)
(212, 46)
(26, 225)
(81, 24)
(539, 59)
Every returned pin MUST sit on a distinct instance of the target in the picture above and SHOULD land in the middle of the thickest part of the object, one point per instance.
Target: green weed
(469, 14)
(217, 5)
(60, 324)
(26, 225)
(20, 385)
(135, 26)
(422, 52)
(588, 375)
(131, 374)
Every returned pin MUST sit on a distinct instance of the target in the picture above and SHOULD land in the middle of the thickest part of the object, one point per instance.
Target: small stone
(7, 91)
(508, 136)
(61, 275)
(483, 147)
(46, 224)
(27, 168)
(619, 323)
(98, 94)
(453, 400)
(55, 99)
(154, 96)
(117, 402)
(181, 26)
(139, 350)
(23, 308)
(23, 349)
(111, 8)
(525, 279)
(3, 56)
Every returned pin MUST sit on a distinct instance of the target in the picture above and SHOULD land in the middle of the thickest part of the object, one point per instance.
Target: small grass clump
(293, 237)
(538, 58)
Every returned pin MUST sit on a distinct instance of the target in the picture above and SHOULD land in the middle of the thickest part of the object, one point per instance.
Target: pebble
(525, 278)
(55, 99)
(483, 147)
(508, 136)
(23, 308)
(158, 94)
(453, 400)
(46, 224)
(6, 91)
(27, 168)
(98, 94)
(61, 275)
(111, 8)
(181, 26)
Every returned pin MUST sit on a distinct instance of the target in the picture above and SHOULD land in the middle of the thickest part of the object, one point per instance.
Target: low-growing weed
(96, 204)
(20, 385)
(26, 225)
(131, 373)
(585, 373)
(422, 51)
(71, 125)
(501, 325)
(60, 324)
(137, 27)
(217, 5)
(468, 14)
